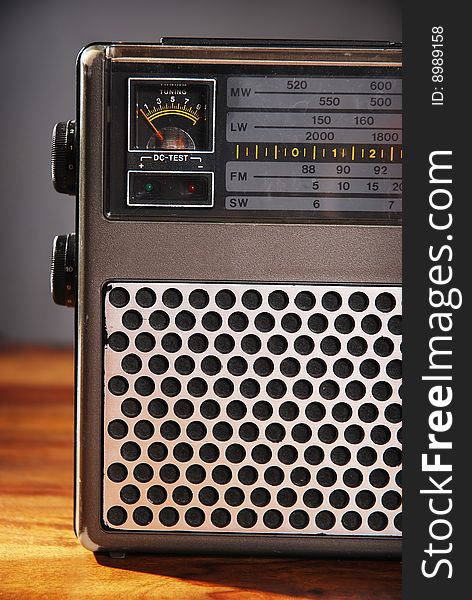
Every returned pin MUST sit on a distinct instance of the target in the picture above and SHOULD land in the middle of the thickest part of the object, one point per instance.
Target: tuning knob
(64, 158)
(63, 270)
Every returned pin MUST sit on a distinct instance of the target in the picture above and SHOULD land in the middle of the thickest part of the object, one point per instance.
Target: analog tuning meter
(171, 114)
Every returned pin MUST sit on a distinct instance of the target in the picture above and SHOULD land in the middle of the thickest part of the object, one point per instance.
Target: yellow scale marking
(296, 152)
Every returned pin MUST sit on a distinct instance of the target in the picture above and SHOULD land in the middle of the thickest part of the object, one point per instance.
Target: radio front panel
(238, 255)
(291, 143)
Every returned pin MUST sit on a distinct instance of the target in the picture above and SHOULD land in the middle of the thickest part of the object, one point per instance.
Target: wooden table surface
(39, 555)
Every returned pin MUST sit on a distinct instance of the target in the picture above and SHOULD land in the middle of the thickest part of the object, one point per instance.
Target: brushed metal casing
(209, 252)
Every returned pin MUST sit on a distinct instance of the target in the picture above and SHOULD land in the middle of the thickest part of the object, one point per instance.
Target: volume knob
(63, 270)
(64, 158)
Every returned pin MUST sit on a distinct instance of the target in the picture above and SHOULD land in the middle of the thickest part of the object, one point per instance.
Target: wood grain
(39, 555)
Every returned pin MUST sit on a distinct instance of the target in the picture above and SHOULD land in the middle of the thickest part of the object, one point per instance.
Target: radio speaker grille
(252, 408)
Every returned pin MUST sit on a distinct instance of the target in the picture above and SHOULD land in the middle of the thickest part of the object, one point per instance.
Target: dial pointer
(158, 133)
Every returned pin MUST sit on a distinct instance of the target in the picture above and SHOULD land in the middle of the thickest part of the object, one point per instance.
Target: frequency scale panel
(305, 144)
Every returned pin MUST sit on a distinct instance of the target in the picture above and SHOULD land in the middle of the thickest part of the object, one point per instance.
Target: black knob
(64, 158)
(63, 270)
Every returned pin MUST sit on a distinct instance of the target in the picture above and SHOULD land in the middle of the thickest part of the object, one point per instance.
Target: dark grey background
(40, 42)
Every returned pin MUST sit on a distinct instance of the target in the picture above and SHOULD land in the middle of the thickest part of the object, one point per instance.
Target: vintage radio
(236, 276)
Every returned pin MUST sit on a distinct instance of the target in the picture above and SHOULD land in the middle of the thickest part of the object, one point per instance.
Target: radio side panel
(192, 251)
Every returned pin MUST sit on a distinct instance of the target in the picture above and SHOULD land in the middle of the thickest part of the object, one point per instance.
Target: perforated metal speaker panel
(252, 408)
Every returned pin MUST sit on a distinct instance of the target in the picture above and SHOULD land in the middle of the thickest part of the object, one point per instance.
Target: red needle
(158, 133)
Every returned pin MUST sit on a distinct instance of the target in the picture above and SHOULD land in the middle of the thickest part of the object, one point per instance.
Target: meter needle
(158, 133)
